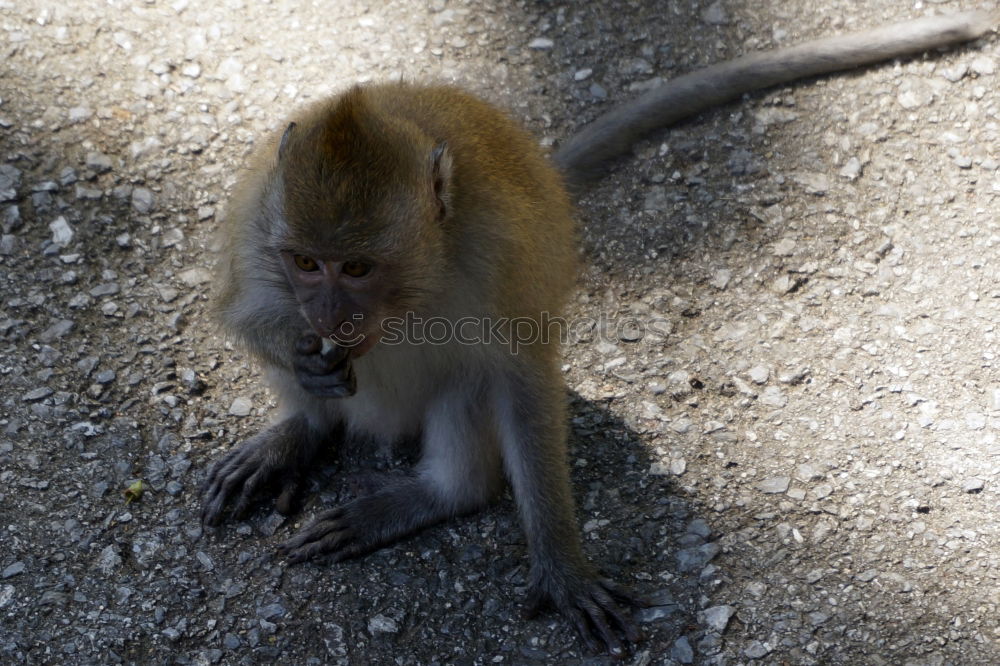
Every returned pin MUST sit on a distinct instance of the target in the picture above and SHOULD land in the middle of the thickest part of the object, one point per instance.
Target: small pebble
(717, 618)
(12, 570)
(774, 485)
(240, 407)
(62, 233)
(541, 43)
(381, 624)
(973, 485)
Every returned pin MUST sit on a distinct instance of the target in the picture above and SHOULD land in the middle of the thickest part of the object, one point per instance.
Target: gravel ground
(785, 418)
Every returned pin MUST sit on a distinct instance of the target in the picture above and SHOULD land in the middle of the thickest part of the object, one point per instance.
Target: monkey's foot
(591, 604)
(367, 523)
(279, 457)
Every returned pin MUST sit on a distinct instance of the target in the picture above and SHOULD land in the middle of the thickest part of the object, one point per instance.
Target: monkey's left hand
(591, 604)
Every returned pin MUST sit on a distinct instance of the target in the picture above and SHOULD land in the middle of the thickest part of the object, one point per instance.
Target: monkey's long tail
(612, 134)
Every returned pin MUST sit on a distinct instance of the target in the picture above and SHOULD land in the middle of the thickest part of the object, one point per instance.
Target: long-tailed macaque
(405, 202)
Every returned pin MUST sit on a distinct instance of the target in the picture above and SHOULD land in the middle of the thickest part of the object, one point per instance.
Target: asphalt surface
(785, 406)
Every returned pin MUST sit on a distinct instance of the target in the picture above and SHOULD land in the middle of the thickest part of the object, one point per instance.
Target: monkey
(403, 200)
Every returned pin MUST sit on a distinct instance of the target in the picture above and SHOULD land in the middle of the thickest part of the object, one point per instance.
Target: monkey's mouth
(341, 381)
(337, 379)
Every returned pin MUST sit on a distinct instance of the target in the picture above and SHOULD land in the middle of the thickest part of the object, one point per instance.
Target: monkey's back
(512, 221)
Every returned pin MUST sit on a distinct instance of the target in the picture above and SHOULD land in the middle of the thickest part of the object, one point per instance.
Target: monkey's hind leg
(280, 456)
(459, 472)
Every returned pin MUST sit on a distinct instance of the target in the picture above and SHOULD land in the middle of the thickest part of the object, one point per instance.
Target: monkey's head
(365, 199)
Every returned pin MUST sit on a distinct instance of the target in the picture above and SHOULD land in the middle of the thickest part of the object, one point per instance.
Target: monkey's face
(354, 260)
(365, 201)
(341, 299)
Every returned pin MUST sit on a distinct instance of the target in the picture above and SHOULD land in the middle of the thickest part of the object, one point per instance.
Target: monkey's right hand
(327, 374)
(278, 457)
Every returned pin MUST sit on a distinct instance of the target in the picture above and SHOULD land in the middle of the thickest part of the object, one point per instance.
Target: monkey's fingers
(248, 494)
(579, 620)
(218, 468)
(622, 594)
(604, 596)
(225, 477)
(599, 608)
(329, 534)
(290, 497)
(338, 381)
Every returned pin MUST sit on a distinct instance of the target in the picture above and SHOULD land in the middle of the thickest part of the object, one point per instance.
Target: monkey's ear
(283, 145)
(441, 177)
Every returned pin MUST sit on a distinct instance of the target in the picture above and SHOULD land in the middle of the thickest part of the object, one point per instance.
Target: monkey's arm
(282, 455)
(532, 416)
(610, 135)
(458, 473)
(279, 456)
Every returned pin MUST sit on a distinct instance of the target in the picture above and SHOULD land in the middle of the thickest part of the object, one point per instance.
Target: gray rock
(10, 217)
(108, 560)
(209, 565)
(10, 180)
(759, 374)
(715, 14)
(12, 570)
(8, 244)
(851, 169)
(656, 199)
(776, 484)
(37, 394)
(695, 558)
(67, 176)
(812, 182)
(720, 279)
(6, 595)
(973, 485)
(105, 377)
(699, 527)
(773, 396)
(87, 193)
(717, 618)
(240, 407)
(106, 289)
(98, 162)
(272, 612)
(956, 73)
(681, 651)
(62, 233)
(983, 65)
(757, 650)
(142, 200)
(195, 276)
(382, 624)
(784, 248)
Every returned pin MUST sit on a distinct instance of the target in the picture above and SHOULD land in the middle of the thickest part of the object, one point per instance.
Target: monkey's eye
(356, 269)
(304, 263)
